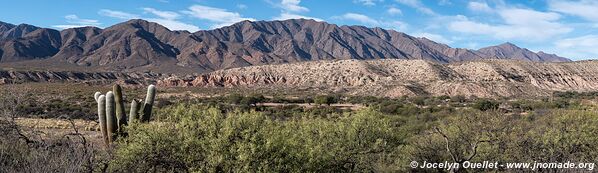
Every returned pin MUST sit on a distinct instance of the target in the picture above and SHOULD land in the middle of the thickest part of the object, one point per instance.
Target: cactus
(102, 118)
(111, 113)
(149, 102)
(121, 115)
(111, 122)
(97, 95)
(134, 111)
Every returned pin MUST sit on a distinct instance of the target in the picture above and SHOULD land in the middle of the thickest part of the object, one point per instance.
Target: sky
(567, 28)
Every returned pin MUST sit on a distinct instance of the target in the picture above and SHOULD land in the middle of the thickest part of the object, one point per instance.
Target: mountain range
(139, 44)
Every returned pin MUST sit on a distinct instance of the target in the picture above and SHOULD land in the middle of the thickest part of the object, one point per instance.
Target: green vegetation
(325, 100)
(238, 133)
(485, 105)
(196, 138)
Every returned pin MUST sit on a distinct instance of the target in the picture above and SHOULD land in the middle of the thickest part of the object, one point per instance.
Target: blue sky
(565, 27)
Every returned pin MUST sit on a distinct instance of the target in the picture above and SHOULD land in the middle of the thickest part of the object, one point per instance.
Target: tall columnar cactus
(102, 118)
(120, 106)
(111, 113)
(134, 112)
(149, 102)
(111, 122)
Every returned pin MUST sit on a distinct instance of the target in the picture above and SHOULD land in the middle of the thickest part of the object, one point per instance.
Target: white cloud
(434, 37)
(290, 9)
(286, 16)
(583, 47)
(293, 6)
(363, 19)
(518, 16)
(174, 24)
(444, 2)
(479, 7)
(586, 9)
(74, 21)
(359, 18)
(241, 6)
(117, 14)
(366, 2)
(587, 41)
(167, 19)
(221, 17)
(396, 25)
(162, 14)
(418, 5)
(394, 11)
(472, 45)
(67, 26)
(523, 24)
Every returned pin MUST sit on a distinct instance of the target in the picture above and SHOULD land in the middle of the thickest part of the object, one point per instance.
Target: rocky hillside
(393, 78)
(92, 78)
(145, 45)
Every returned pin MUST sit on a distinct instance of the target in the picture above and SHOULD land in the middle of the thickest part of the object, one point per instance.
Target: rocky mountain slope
(393, 78)
(141, 44)
(93, 78)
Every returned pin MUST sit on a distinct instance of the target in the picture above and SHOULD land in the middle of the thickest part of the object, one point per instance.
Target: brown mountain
(139, 44)
(34, 44)
(511, 51)
(9, 31)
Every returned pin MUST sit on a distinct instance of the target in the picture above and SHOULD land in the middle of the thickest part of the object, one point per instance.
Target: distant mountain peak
(509, 50)
(509, 44)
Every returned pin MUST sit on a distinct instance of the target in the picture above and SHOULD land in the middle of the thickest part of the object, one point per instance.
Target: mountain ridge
(139, 44)
(396, 78)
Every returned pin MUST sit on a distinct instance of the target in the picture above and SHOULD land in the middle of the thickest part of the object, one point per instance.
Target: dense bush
(491, 136)
(485, 105)
(575, 95)
(27, 150)
(325, 100)
(193, 138)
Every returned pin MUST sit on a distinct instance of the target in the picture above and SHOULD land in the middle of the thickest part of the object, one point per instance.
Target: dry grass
(38, 123)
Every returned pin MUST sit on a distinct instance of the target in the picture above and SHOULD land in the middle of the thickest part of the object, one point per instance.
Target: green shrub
(192, 138)
(485, 105)
(252, 100)
(325, 100)
(420, 101)
(557, 136)
(234, 98)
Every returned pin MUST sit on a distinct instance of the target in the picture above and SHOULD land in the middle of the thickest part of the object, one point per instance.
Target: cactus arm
(149, 102)
(96, 96)
(102, 118)
(134, 111)
(111, 122)
(121, 115)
